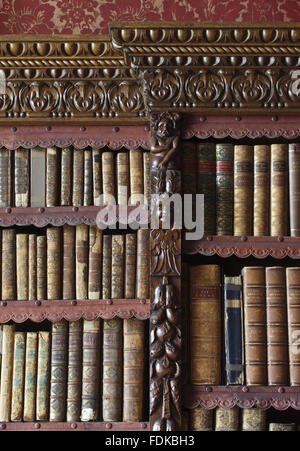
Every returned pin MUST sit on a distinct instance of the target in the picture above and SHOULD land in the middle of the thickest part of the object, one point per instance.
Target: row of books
(248, 189)
(80, 371)
(254, 337)
(52, 177)
(74, 262)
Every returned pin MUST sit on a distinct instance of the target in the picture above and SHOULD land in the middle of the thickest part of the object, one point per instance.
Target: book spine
(66, 176)
(58, 372)
(8, 264)
(22, 178)
(136, 177)
(30, 376)
(224, 189)
(189, 167)
(279, 189)
(82, 256)
(51, 177)
(18, 377)
(112, 370)
(122, 178)
(293, 316)
(227, 419)
(201, 419)
(53, 263)
(5, 178)
(108, 177)
(6, 372)
(130, 265)
(255, 325)
(22, 266)
(74, 377)
(206, 184)
(43, 376)
(69, 262)
(261, 190)
(37, 177)
(32, 267)
(282, 427)
(294, 189)
(146, 170)
(78, 177)
(97, 176)
(143, 264)
(106, 267)
(88, 178)
(133, 371)
(95, 262)
(243, 190)
(41, 267)
(117, 267)
(254, 419)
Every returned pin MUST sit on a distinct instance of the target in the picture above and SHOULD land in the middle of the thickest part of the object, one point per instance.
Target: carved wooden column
(165, 317)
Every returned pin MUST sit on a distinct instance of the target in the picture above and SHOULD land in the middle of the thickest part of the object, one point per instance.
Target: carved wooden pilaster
(165, 316)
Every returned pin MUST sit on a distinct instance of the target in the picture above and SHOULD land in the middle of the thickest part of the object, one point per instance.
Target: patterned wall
(92, 16)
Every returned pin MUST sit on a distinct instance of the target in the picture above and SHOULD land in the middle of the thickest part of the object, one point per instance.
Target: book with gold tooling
(18, 376)
(82, 256)
(22, 266)
(68, 270)
(224, 189)
(95, 262)
(53, 262)
(22, 178)
(66, 176)
(6, 372)
(261, 202)
(30, 376)
(51, 177)
(74, 375)
(243, 190)
(279, 190)
(43, 376)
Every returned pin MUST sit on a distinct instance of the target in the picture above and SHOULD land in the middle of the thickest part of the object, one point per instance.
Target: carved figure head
(164, 124)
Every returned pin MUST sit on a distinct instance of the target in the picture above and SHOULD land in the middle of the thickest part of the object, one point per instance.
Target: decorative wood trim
(78, 426)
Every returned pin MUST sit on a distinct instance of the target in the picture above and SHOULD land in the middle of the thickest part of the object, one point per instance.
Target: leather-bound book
(277, 333)
(108, 177)
(106, 267)
(22, 178)
(206, 184)
(117, 266)
(261, 198)
(293, 315)
(88, 178)
(224, 189)
(6, 371)
(243, 190)
(22, 266)
(233, 329)
(41, 267)
(68, 275)
(112, 370)
(205, 324)
(18, 377)
(78, 177)
(37, 177)
(254, 296)
(30, 376)
(122, 178)
(58, 372)
(294, 188)
(97, 176)
(8, 264)
(136, 176)
(201, 419)
(280, 427)
(279, 190)
(53, 263)
(146, 171)
(133, 371)
(74, 377)
(5, 177)
(32, 267)
(254, 419)
(82, 259)
(95, 262)
(43, 376)
(130, 265)
(143, 264)
(51, 177)
(66, 176)
(90, 370)
(185, 324)
(227, 419)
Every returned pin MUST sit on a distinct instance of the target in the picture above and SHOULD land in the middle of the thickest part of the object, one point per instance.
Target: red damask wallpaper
(92, 16)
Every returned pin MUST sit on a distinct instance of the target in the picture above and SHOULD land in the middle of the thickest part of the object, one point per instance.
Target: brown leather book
(88, 178)
(254, 419)
(136, 177)
(5, 177)
(74, 376)
(293, 315)
(143, 264)
(82, 258)
(201, 419)
(117, 267)
(37, 177)
(95, 262)
(206, 183)
(227, 419)
(277, 334)
(146, 171)
(22, 178)
(224, 188)
(78, 177)
(43, 376)
(22, 266)
(52, 177)
(243, 190)
(261, 190)
(205, 324)
(53, 263)
(6, 371)
(130, 265)
(106, 267)
(254, 291)
(41, 267)
(68, 275)
(18, 377)
(30, 376)
(108, 177)
(97, 176)
(279, 190)
(112, 370)
(8, 264)
(32, 267)
(122, 178)
(66, 176)
(294, 188)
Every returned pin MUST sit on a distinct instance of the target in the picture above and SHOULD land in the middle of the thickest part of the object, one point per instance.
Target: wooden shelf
(73, 310)
(78, 426)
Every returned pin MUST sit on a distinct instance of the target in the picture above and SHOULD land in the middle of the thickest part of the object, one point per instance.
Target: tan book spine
(97, 176)
(5, 177)
(261, 190)
(18, 377)
(106, 267)
(66, 176)
(41, 267)
(143, 264)
(279, 189)
(78, 177)
(112, 370)
(30, 376)
(122, 178)
(254, 290)
(133, 371)
(117, 267)
(6, 372)
(8, 264)
(32, 267)
(282, 427)
(22, 266)
(69, 262)
(227, 419)
(90, 370)
(130, 265)
(205, 324)
(43, 376)
(52, 177)
(254, 419)
(37, 177)
(74, 378)
(95, 262)
(136, 177)
(146, 170)
(82, 256)
(53, 263)
(88, 178)
(294, 188)
(108, 178)
(22, 178)
(293, 316)
(201, 419)
(243, 190)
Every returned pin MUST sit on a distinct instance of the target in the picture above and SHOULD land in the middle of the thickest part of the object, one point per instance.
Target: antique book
(112, 370)
(254, 419)
(123, 191)
(279, 190)
(185, 323)
(293, 316)
(108, 177)
(82, 258)
(224, 189)
(254, 298)
(51, 176)
(133, 369)
(243, 190)
(88, 178)
(22, 266)
(261, 190)
(117, 266)
(277, 333)
(90, 370)
(97, 177)
(136, 176)
(233, 329)
(294, 188)
(18, 377)
(143, 264)
(5, 178)
(6, 371)
(227, 419)
(43, 376)
(37, 177)
(205, 324)
(106, 267)
(22, 177)
(53, 263)
(130, 265)
(66, 176)
(146, 172)
(201, 419)
(95, 262)
(206, 183)
(78, 177)
(68, 270)
(189, 171)
(58, 371)
(74, 376)
(282, 427)
(32, 267)
(41, 267)
(8, 264)
(30, 376)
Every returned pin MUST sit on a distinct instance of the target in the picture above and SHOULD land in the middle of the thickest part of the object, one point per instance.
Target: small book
(201, 419)
(5, 178)
(206, 183)
(97, 176)
(43, 376)
(123, 178)
(224, 189)
(88, 178)
(30, 376)
(41, 267)
(143, 264)
(130, 265)
(254, 419)
(32, 267)
(261, 199)
(22, 266)
(22, 178)
(18, 377)
(106, 267)
(37, 177)
(51, 177)
(146, 171)
(95, 262)
(53, 263)
(74, 376)
(294, 188)
(243, 190)
(117, 267)
(66, 176)
(82, 256)
(8, 264)
(78, 177)
(68, 262)
(279, 190)
(6, 372)
(136, 177)
(227, 419)
(293, 316)
(108, 177)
